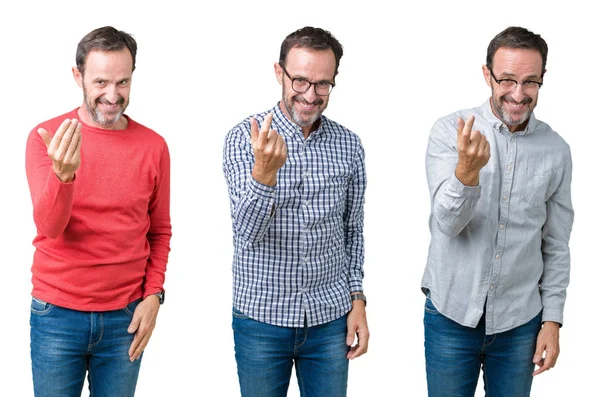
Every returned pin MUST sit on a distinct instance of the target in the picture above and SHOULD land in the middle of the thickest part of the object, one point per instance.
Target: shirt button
(504, 198)
(492, 286)
(497, 256)
(510, 167)
(501, 227)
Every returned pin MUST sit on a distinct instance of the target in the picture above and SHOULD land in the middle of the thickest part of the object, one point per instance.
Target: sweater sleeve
(52, 199)
(159, 233)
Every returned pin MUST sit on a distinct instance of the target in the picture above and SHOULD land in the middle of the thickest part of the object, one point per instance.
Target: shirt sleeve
(555, 247)
(354, 223)
(52, 199)
(159, 233)
(252, 204)
(452, 203)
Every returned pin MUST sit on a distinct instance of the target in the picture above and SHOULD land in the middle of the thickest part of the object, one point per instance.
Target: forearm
(52, 199)
(453, 206)
(253, 210)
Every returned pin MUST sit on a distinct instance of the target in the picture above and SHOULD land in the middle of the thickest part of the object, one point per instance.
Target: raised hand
(64, 148)
(473, 152)
(270, 151)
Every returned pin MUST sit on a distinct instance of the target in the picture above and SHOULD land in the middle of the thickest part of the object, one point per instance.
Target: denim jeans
(454, 355)
(66, 343)
(266, 353)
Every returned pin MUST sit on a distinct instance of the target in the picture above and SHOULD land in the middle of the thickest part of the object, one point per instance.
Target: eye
(300, 80)
(324, 84)
(123, 82)
(530, 83)
(100, 83)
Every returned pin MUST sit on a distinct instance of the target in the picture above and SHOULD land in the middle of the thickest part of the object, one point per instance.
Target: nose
(310, 95)
(518, 94)
(111, 94)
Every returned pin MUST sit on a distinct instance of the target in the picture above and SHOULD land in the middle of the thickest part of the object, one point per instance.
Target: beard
(296, 115)
(100, 118)
(504, 113)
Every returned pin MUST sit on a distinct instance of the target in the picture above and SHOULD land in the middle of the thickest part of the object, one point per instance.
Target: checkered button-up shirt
(298, 245)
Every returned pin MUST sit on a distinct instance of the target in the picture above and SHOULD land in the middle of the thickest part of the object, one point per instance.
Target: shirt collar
(490, 117)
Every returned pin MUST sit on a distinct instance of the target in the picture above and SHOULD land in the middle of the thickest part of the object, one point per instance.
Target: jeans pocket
(130, 308)
(535, 186)
(429, 308)
(40, 307)
(238, 314)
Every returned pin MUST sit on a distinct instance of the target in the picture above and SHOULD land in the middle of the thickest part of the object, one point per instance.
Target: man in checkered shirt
(296, 183)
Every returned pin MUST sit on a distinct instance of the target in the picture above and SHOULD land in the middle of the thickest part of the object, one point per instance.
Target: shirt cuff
(554, 315)
(260, 190)
(456, 187)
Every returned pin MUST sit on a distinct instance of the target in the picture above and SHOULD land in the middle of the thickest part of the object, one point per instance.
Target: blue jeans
(266, 353)
(66, 343)
(454, 355)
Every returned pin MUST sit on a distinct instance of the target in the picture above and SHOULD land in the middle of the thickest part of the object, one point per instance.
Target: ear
(486, 75)
(77, 76)
(278, 73)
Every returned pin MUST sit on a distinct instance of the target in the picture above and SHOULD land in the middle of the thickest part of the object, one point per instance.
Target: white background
(202, 68)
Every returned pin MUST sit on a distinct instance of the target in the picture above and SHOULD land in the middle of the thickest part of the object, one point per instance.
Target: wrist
(358, 298)
(266, 178)
(65, 177)
(467, 177)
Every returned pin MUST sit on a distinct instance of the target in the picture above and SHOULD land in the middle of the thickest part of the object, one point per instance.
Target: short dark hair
(106, 38)
(517, 37)
(313, 38)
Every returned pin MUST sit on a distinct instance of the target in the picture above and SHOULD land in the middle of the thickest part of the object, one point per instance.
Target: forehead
(118, 63)
(311, 64)
(517, 61)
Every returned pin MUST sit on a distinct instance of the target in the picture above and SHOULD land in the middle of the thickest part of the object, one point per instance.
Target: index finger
(544, 367)
(464, 129)
(266, 125)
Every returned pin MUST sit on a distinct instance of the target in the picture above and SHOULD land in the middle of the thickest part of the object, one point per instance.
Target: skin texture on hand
(64, 149)
(270, 151)
(142, 324)
(547, 341)
(357, 329)
(473, 152)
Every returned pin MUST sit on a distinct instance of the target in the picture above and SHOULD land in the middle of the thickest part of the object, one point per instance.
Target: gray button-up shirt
(504, 243)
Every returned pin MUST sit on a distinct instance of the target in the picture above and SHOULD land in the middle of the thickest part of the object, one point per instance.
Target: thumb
(45, 136)
(539, 350)
(350, 337)
(135, 323)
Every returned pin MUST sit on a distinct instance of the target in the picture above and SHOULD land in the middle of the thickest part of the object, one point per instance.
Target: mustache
(526, 100)
(105, 101)
(300, 98)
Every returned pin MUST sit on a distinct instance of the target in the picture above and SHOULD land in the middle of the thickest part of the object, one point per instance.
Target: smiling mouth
(304, 105)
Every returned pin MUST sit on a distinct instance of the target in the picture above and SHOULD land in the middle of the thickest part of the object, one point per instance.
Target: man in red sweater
(100, 184)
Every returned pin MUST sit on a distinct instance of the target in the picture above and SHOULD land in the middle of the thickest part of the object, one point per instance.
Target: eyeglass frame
(516, 83)
(310, 83)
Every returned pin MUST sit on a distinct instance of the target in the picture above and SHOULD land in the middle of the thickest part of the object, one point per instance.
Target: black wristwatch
(360, 297)
(161, 297)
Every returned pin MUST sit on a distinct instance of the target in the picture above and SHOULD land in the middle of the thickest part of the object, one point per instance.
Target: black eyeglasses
(509, 85)
(301, 85)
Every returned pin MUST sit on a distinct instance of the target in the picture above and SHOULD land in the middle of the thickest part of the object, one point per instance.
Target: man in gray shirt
(501, 218)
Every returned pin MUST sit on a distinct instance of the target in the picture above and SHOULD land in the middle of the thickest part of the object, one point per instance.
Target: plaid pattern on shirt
(298, 246)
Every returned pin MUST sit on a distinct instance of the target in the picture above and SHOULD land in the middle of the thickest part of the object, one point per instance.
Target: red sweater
(102, 240)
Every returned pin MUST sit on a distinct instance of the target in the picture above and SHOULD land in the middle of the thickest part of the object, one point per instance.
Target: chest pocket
(536, 186)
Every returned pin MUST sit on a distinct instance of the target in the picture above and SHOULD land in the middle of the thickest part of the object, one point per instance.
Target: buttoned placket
(508, 170)
(304, 163)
